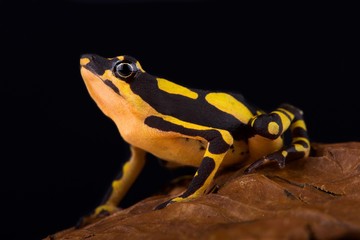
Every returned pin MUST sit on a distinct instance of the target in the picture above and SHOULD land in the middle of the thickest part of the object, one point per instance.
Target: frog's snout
(95, 63)
(85, 59)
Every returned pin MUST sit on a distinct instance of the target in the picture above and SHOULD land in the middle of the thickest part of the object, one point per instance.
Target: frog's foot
(100, 212)
(171, 201)
(277, 157)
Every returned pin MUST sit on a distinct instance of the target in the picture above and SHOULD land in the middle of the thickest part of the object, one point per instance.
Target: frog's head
(115, 72)
(108, 79)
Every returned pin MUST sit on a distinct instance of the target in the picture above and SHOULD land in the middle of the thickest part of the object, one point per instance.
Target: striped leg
(119, 187)
(273, 125)
(219, 142)
(200, 181)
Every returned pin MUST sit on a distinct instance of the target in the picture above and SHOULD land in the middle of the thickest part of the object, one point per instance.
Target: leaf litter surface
(312, 198)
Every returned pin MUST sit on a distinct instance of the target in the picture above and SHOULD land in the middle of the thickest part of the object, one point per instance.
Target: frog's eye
(124, 69)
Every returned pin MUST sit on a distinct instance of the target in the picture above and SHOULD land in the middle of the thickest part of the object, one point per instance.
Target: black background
(60, 153)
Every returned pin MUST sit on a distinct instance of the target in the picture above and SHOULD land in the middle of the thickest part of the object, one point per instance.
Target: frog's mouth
(90, 76)
(88, 73)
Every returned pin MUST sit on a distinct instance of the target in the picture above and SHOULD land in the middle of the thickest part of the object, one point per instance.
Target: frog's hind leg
(272, 126)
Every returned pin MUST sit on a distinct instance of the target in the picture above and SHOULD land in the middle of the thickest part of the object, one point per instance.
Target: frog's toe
(99, 213)
(85, 220)
(164, 204)
(255, 165)
(273, 157)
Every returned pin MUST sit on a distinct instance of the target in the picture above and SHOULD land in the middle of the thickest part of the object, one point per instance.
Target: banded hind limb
(272, 126)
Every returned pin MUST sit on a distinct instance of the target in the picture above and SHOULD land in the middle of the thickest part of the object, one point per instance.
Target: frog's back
(222, 110)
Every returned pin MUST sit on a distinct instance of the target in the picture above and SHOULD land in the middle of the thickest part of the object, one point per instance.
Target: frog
(205, 129)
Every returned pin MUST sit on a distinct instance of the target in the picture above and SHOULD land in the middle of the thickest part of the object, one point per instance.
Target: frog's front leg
(118, 188)
(273, 125)
(219, 142)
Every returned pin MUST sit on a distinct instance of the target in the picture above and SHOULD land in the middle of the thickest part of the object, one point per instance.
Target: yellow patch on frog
(284, 153)
(299, 147)
(296, 139)
(229, 104)
(174, 88)
(298, 123)
(273, 128)
(84, 61)
(116, 184)
(285, 118)
(108, 74)
(291, 115)
(121, 85)
(139, 67)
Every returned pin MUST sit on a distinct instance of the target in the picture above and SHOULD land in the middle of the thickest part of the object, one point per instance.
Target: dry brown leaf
(313, 198)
